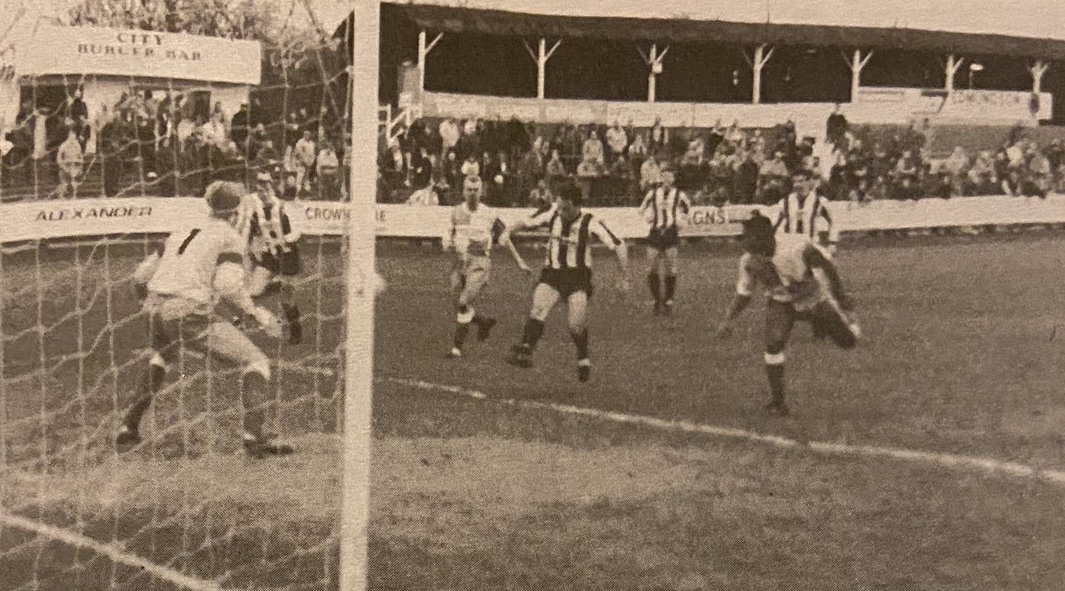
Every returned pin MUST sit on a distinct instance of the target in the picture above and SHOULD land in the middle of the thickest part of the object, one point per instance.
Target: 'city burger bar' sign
(133, 44)
(139, 54)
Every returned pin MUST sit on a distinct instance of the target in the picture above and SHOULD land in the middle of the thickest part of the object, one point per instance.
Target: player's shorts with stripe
(470, 276)
(288, 263)
(568, 281)
(174, 323)
(663, 238)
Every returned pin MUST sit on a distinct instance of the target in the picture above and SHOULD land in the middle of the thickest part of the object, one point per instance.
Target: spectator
(659, 137)
(239, 126)
(328, 170)
(981, 175)
(541, 196)
(956, 167)
(449, 134)
(70, 159)
(592, 150)
(1037, 180)
(498, 174)
(452, 169)
(651, 172)
(555, 169)
(773, 179)
(587, 172)
(617, 140)
(304, 160)
(471, 167)
(746, 179)
(531, 167)
(836, 126)
(907, 176)
(638, 150)
(267, 158)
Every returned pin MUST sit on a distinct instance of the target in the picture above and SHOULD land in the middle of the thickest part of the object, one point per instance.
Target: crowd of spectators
(168, 144)
(173, 143)
(616, 164)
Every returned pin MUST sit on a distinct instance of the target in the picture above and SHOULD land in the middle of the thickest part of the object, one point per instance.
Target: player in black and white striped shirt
(567, 273)
(666, 208)
(805, 212)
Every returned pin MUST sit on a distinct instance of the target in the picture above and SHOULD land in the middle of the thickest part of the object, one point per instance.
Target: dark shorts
(826, 318)
(568, 281)
(288, 263)
(663, 238)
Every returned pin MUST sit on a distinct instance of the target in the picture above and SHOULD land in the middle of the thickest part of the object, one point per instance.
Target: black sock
(776, 382)
(292, 312)
(461, 330)
(252, 395)
(671, 286)
(656, 287)
(534, 329)
(581, 341)
(153, 381)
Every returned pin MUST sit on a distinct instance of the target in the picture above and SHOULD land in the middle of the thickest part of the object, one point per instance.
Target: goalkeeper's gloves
(267, 322)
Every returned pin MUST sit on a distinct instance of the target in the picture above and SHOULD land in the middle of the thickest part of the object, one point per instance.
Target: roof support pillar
(423, 51)
(654, 62)
(757, 62)
(541, 56)
(857, 63)
(1038, 70)
(952, 65)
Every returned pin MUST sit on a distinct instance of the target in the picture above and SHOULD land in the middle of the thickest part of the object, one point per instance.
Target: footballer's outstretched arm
(744, 289)
(500, 235)
(229, 283)
(145, 271)
(618, 246)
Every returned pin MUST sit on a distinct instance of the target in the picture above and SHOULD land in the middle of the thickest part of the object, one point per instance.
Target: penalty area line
(113, 551)
(946, 460)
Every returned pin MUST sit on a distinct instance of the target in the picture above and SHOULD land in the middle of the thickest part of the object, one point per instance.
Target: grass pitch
(960, 357)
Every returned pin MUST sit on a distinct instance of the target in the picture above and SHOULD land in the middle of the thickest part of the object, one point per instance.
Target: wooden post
(857, 64)
(423, 51)
(952, 66)
(654, 63)
(1038, 70)
(757, 63)
(541, 57)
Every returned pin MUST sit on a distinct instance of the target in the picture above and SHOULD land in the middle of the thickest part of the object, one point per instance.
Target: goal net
(96, 170)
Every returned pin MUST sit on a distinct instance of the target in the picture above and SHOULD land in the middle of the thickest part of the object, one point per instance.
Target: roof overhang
(477, 21)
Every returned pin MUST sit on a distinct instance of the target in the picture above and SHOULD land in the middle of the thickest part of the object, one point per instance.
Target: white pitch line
(972, 463)
(113, 551)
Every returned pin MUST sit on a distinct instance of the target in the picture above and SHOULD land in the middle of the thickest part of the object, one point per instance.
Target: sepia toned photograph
(346, 295)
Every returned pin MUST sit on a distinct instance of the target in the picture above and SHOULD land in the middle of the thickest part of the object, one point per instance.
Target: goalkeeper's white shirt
(474, 231)
(190, 259)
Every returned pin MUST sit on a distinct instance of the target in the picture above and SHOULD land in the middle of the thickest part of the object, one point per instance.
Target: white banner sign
(86, 51)
(154, 215)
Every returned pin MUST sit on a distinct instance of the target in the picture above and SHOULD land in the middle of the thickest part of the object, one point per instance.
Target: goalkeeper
(181, 284)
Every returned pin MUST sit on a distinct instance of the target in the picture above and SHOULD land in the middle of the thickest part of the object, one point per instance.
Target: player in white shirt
(181, 284)
(801, 283)
(475, 228)
(273, 249)
(666, 209)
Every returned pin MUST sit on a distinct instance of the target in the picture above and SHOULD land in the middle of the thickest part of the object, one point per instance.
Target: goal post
(361, 291)
(186, 508)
